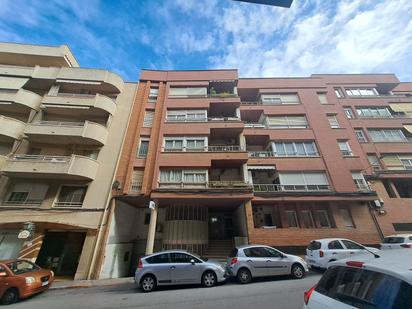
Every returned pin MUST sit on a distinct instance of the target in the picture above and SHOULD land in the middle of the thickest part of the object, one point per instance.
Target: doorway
(220, 226)
(61, 252)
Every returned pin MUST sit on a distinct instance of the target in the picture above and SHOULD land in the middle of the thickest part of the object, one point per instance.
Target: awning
(405, 107)
(261, 167)
(408, 127)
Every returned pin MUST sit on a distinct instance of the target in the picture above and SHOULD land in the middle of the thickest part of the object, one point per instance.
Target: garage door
(10, 245)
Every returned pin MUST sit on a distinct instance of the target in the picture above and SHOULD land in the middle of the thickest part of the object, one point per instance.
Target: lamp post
(151, 233)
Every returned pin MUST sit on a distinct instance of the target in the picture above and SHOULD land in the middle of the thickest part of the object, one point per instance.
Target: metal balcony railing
(205, 184)
(52, 159)
(26, 202)
(363, 187)
(217, 148)
(187, 119)
(59, 123)
(76, 95)
(255, 125)
(290, 188)
(269, 154)
(215, 119)
(68, 204)
(136, 186)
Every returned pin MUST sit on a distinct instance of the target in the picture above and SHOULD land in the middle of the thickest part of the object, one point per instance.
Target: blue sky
(313, 36)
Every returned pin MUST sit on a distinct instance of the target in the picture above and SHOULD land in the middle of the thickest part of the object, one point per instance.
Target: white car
(365, 281)
(321, 252)
(399, 241)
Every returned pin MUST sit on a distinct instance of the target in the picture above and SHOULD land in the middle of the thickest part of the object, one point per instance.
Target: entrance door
(220, 226)
(61, 251)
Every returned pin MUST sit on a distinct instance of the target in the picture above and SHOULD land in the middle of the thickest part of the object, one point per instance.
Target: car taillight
(406, 246)
(233, 261)
(140, 265)
(355, 264)
(308, 294)
(321, 254)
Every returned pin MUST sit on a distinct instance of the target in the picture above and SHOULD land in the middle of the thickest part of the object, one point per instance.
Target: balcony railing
(68, 204)
(59, 123)
(170, 119)
(27, 202)
(290, 188)
(213, 119)
(217, 148)
(269, 154)
(135, 186)
(255, 125)
(363, 187)
(208, 185)
(57, 159)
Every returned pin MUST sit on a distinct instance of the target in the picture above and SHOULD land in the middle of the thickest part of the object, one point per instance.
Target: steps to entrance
(218, 250)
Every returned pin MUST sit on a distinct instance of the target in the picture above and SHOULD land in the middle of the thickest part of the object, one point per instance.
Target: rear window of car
(158, 259)
(314, 245)
(365, 289)
(233, 253)
(393, 240)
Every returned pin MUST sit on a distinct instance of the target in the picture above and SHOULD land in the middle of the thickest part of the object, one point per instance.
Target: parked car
(321, 252)
(366, 282)
(250, 261)
(20, 279)
(177, 267)
(397, 242)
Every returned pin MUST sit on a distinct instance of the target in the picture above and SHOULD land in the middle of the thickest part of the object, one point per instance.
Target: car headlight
(30, 280)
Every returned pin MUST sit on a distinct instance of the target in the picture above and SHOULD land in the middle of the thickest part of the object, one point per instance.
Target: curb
(97, 283)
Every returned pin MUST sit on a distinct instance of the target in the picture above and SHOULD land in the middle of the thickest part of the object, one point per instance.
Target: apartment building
(278, 161)
(61, 132)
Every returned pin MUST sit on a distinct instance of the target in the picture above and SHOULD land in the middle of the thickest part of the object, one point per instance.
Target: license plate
(44, 283)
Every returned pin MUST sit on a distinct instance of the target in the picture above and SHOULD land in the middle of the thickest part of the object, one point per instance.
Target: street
(268, 293)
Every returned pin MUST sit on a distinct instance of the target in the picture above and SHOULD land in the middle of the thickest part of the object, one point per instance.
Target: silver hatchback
(247, 262)
(177, 267)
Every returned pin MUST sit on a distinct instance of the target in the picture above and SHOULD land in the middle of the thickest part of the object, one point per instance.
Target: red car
(21, 279)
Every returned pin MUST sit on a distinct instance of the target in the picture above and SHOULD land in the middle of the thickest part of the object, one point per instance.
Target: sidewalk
(74, 284)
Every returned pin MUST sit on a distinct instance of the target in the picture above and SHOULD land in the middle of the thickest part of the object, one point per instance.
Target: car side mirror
(3, 274)
(192, 261)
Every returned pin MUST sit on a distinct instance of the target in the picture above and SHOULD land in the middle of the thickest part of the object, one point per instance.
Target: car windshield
(393, 240)
(21, 267)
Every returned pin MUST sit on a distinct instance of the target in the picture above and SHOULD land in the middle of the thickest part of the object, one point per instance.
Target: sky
(313, 36)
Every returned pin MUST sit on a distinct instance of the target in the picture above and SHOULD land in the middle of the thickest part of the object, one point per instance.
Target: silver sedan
(177, 267)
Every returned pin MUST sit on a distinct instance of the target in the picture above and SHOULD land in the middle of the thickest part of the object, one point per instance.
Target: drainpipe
(375, 221)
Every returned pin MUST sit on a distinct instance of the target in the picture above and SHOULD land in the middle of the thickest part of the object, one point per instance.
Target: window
(360, 135)
(17, 197)
(256, 252)
(334, 124)
(292, 218)
(307, 219)
(194, 176)
(360, 288)
(170, 176)
(359, 181)
(304, 181)
(294, 149)
(373, 112)
(185, 143)
(186, 115)
(387, 135)
(186, 176)
(159, 259)
(71, 196)
(403, 187)
(345, 148)
(195, 144)
(173, 145)
(143, 148)
(347, 217)
(352, 245)
(335, 245)
(338, 93)
(402, 227)
(282, 98)
(285, 122)
(148, 119)
(348, 112)
(182, 258)
(323, 218)
(407, 164)
(361, 92)
(389, 189)
(26, 193)
(153, 94)
(187, 92)
(374, 162)
(322, 98)
(394, 240)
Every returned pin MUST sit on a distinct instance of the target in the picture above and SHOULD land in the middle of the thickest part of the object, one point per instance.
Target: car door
(336, 250)
(160, 265)
(257, 261)
(182, 271)
(278, 265)
(353, 247)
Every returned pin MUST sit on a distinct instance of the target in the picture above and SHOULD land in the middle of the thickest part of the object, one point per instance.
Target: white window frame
(338, 92)
(184, 115)
(359, 180)
(361, 92)
(333, 121)
(184, 172)
(295, 149)
(322, 98)
(56, 199)
(346, 150)
(387, 135)
(361, 136)
(143, 139)
(348, 112)
(407, 163)
(153, 94)
(288, 123)
(184, 140)
(374, 112)
(279, 99)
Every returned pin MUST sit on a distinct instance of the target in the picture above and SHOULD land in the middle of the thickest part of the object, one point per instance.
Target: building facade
(278, 161)
(61, 133)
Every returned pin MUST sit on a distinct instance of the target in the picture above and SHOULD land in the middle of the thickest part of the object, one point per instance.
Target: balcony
(94, 105)
(25, 202)
(72, 167)
(210, 148)
(271, 154)
(277, 188)
(21, 101)
(10, 128)
(234, 184)
(82, 133)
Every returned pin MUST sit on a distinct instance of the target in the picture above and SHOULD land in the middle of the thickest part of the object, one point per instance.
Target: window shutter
(277, 121)
(297, 121)
(291, 179)
(148, 119)
(315, 178)
(188, 92)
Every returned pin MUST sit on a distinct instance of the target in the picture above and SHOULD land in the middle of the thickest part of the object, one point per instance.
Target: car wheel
(244, 276)
(298, 272)
(148, 283)
(209, 279)
(10, 297)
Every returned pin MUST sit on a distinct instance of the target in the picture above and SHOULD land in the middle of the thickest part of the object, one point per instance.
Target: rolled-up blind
(188, 92)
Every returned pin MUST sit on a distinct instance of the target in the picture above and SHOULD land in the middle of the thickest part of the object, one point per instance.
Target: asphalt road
(283, 293)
